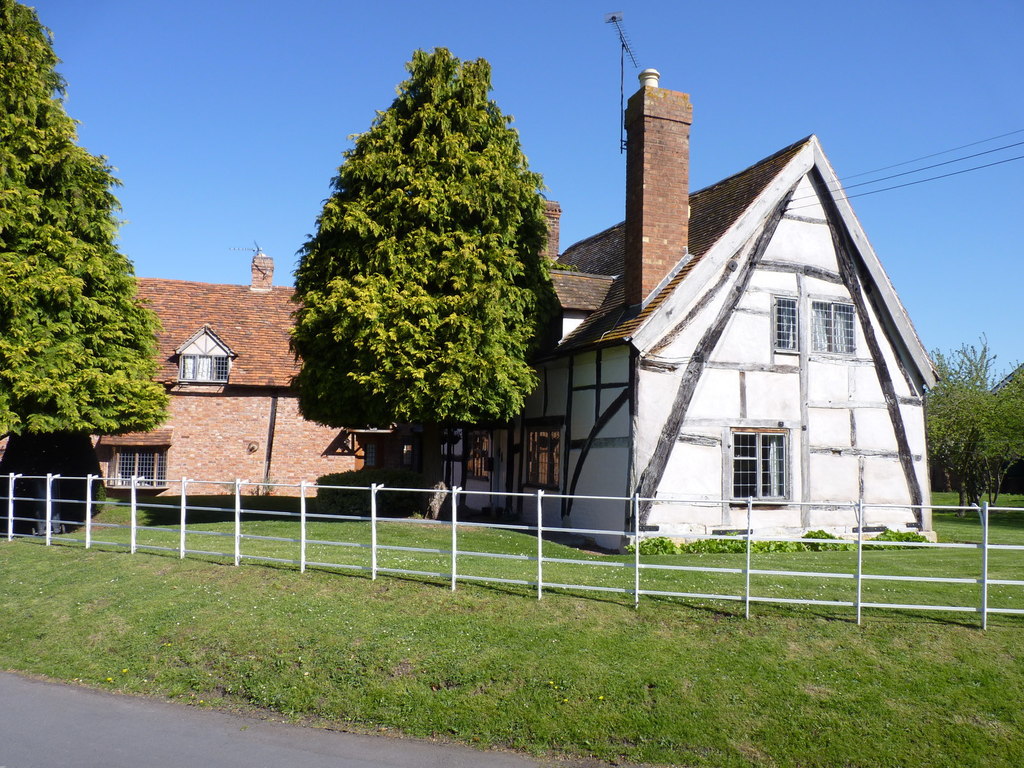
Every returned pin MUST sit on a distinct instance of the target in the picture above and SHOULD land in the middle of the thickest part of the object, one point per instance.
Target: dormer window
(204, 358)
(204, 368)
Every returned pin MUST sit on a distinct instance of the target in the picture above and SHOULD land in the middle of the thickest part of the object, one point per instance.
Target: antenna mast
(615, 18)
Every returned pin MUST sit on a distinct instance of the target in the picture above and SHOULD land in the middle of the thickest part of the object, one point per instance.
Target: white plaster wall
(836, 477)
(771, 282)
(828, 427)
(746, 337)
(694, 471)
(717, 396)
(874, 429)
(802, 242)
(557, 385)
(582, 419)
(884, 481)
(828, 382)
(615, 365)
(584, 370)
(773, 396)
(618, 425)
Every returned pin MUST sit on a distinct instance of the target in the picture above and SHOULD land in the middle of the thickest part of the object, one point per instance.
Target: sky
(225, 121)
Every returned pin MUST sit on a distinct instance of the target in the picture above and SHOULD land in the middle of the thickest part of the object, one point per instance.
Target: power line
(922, 181)
(935, 165)
(934, 154)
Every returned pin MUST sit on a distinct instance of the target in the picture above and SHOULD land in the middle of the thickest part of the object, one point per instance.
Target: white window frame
(217, 368)
(148, 464)
(757, 451)
(785, 339)
(833, 327)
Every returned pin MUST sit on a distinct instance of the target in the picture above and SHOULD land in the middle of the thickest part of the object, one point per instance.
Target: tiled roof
(713, 210)
(580, 291)
(254, 324)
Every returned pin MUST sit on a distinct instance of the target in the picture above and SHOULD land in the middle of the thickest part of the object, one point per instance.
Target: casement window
(147, 465)
(370, 454)
(478, 455)
(785, 323)
(833, 327)
(204, 368)
(543, 445)
(759, 464)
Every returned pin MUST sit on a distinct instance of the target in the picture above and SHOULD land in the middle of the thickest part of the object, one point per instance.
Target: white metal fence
(45, 515)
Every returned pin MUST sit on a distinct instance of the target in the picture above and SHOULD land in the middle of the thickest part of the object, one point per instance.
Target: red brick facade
(657, 187)
(247, 427)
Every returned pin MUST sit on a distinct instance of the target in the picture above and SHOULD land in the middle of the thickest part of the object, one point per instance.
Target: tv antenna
(256, 250)
(625, 48)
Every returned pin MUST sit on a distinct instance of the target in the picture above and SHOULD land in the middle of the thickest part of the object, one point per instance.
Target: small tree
(76, 347)
(975, 430)
(424, 288)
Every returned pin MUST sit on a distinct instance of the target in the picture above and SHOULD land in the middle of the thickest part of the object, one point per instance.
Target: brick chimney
(553, 213)
(657, 184)
(262, 272)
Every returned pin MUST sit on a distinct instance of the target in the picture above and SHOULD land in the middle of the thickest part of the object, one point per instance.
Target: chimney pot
(649, 78)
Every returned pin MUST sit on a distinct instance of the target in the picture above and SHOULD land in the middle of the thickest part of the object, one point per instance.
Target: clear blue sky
(226, 120)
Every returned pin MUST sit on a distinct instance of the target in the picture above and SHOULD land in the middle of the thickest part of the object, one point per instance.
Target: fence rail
(448, 556)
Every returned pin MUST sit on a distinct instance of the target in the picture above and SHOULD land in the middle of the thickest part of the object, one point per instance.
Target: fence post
(540, 543)
(302, 526)
(11, 479)
(455, 526)
(49, 507)
(88, 509)
(134, 511)
(860, 557)
(746, 568)
(984, 564)
(374, 487)
(238, 521)
(636, 552)
(182, 520)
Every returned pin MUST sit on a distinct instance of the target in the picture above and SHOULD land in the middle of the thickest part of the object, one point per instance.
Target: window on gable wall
(543, 445)
(832, 327)
(785, 324)
(759, 465)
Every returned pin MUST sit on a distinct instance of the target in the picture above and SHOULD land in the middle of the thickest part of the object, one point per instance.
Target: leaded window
(543, 445)
(147, 465)
(759, 465)
(204, 368)
(832, 327)
(785, 324)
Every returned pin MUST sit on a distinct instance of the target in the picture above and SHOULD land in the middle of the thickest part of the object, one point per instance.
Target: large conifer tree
(424, 287)
(76, 347)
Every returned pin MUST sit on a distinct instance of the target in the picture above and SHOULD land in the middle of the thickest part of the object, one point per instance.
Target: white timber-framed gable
(843, 392)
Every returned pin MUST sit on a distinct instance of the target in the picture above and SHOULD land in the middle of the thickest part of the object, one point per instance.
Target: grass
(682, 682)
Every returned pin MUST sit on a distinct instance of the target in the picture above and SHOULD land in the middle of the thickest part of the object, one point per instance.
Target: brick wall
(222, 436)
(657, 187)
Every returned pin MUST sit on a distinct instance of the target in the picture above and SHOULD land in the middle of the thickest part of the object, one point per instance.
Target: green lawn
(679, 681)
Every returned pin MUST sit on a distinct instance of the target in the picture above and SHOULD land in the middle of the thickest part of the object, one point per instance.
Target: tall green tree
(975, 428)
(424, 288)
(76, 347)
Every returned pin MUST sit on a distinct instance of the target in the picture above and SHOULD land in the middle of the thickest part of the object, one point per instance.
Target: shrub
(339, 501)
(734, 546)
(659, 545)
(888, 535)
(818, 546)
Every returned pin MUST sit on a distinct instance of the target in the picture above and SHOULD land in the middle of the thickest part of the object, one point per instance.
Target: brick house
(226, 363)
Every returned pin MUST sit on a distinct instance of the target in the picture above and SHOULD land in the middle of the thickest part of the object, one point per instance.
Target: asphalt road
(50, 725)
